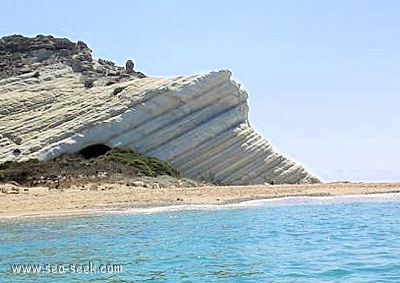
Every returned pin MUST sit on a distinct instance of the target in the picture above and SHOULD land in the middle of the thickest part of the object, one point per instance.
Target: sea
(316, 239)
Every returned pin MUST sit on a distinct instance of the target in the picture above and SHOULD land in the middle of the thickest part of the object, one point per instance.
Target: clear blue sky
(323, 76)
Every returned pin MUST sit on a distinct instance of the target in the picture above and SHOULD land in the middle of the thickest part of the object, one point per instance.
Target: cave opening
(93, 151)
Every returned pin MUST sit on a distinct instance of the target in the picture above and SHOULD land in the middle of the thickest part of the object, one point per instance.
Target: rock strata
(199, 124)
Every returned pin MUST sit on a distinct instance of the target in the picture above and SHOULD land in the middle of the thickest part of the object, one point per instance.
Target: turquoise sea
(284, 241)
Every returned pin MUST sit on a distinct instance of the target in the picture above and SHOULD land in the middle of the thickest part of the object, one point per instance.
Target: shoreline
(271, 202)
(42, 203)
(162, 208)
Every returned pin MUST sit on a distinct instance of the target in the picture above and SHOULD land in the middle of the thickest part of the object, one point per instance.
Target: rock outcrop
(197, 123)
(20, 55)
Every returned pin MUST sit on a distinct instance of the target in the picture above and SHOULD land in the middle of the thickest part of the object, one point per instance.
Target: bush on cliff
(116, 162)
(147, 165)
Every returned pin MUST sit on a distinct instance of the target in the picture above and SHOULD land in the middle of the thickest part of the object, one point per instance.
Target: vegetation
(116, 163)
(13, 164)
(118, 90)
(88, 83)
(147, 165)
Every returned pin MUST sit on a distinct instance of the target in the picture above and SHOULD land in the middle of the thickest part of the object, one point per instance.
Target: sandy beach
(18, 202)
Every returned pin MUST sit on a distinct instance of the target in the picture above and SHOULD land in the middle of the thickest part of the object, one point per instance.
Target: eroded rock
(18, 55)
(199, 124)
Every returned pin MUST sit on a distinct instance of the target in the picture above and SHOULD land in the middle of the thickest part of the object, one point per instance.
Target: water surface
(336, 242)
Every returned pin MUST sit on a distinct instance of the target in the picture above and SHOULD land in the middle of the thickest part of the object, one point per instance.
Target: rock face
(20, 55)
(197, 123)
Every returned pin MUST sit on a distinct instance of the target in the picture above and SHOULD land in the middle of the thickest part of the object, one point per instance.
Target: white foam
(273, 202)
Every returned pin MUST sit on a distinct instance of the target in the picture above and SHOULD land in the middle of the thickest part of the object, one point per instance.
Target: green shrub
(118, 90)
(88, 83)
(161, 167)
(149, 166)
(6, 165)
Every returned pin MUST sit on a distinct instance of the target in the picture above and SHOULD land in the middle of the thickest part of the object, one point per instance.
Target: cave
(94, 151)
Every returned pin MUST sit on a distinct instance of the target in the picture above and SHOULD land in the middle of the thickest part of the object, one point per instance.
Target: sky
(323, 77)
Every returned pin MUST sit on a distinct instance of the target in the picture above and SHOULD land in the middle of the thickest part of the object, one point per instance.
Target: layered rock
(197, 123)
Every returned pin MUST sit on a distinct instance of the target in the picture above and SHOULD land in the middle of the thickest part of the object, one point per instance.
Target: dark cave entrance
(93, 151)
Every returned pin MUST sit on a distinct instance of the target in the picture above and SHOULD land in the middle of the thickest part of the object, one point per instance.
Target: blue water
(348, 242)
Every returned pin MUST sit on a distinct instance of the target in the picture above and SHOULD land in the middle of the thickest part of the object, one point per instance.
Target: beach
(19, 202)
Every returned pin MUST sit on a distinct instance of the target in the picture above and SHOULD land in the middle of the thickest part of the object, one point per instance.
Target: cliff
(57, 99)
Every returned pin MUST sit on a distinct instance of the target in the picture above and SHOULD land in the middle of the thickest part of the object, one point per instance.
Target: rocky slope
(54, 99)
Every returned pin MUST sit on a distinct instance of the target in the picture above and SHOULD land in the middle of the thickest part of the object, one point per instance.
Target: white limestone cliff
(197, 123)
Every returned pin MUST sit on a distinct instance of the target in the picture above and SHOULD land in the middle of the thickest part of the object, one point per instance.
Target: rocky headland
(55, 99)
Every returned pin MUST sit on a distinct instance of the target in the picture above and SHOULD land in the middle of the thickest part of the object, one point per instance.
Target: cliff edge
(55, 98)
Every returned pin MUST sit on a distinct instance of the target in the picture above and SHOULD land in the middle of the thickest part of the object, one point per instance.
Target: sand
(19, 202)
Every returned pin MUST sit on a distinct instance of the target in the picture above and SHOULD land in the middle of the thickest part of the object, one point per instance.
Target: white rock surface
(197, 123)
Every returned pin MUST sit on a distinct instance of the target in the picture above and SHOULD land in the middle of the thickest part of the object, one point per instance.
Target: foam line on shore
(272, 202)
(159, 208)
